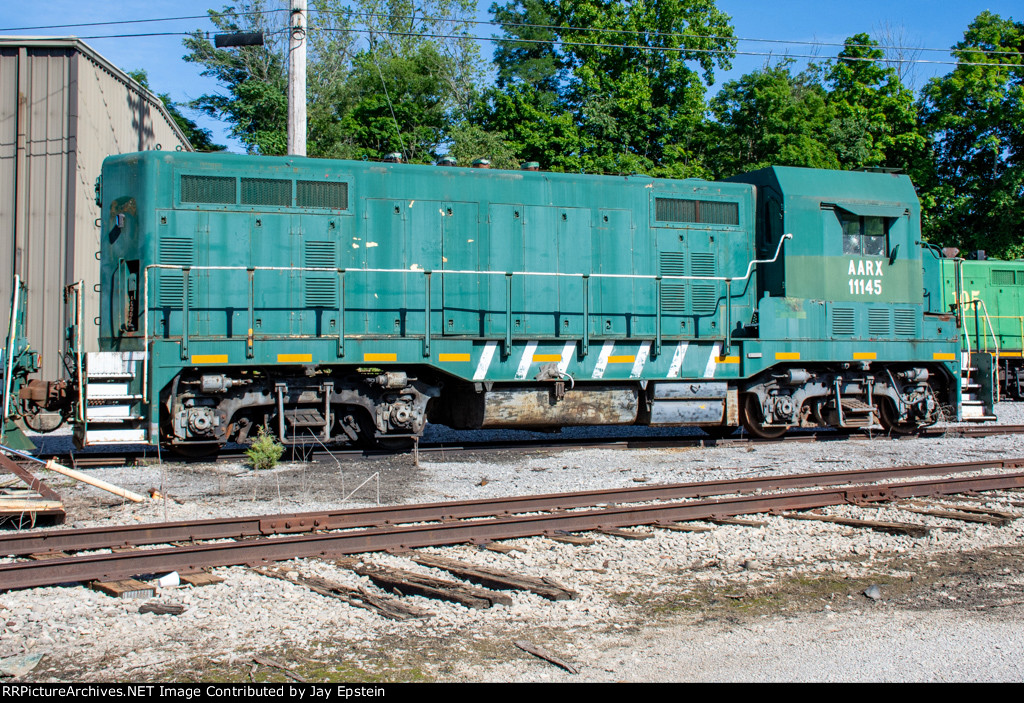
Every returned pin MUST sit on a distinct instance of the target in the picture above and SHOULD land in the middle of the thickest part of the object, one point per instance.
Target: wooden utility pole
(297, 80)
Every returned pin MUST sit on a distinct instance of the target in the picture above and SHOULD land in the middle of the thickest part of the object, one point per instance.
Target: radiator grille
(208, 189)
(321, 292)
(842, 321)
(673, 297)
(711, 212)
(267, 191)
(906, 322)
(321, 194)
(672, 263)
(705, 298)
(176, 251)
(878, 322)
(321, 254)
(702, 264)
(1002, 277)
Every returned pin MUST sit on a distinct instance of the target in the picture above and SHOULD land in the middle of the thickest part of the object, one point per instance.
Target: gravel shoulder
(782, 602)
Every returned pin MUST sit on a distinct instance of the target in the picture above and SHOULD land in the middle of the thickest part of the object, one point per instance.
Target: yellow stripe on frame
(294, 358)
(727, 360)
(380, 357)
(453, 357)
(1010, 353)
(624, 359)
(547, 357)
(787, 356)
(209, 358)
(864, 355)
(944, 356)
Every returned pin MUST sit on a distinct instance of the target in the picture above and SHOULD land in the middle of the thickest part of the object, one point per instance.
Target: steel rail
(36, 542)
(264, 550)
(121, 457)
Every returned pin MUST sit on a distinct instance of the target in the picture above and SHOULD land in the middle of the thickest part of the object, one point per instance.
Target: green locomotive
(356, 301)
(990, 296)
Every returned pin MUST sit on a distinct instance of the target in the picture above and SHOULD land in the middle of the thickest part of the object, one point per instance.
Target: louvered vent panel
(672, 263)
(710, 212)
(675, 210)
(878, 322)
(713, 212)
(176, 251)
(1002, 278)
(842, 321)
(702, 264)
(208, 189)
(1020, 278)
(906, 322)
(673, 297)
(321, 254)
(321, 194)
(267, 191)
(321, 292)
(705, 298)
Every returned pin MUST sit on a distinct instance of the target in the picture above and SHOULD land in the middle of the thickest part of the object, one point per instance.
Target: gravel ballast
(783, 602)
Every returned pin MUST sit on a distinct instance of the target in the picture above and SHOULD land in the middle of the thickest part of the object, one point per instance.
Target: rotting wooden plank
(738, 521)
(546, 656)
(496, 578)
(572, 539)
(15, 506)
(199, 578)
(1001, 514)
(624, 534)
(503, 548)
(898, 528)
(410, 583)
(39, 556)
(358, 597)
(684, 527)
(955, 515)
(125, 588)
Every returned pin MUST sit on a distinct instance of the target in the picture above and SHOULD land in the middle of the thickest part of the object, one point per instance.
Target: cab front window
(864, 235)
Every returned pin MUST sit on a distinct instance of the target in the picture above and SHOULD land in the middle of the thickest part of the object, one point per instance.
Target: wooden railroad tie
(497, 579)
(684, 527)
(738, 521)
(947, 514)
(358, 597)
(896, 528)
(411, 583)
(624, 534)
(571, 539)
(124, 588)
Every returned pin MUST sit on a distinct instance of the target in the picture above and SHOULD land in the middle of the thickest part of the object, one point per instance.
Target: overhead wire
(563, 42)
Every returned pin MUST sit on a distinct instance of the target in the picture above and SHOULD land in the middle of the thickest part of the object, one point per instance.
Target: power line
(506, 25)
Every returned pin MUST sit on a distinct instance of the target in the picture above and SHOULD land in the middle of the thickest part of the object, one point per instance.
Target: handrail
(584, 277)
(11, 333)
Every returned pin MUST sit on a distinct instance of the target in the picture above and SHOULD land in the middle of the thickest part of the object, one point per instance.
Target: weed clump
(265, 451)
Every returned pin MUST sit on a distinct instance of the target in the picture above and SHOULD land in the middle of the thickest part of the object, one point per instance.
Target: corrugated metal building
(63, 109)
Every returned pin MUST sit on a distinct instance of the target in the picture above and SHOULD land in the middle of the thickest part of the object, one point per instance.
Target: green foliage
(975, 116)
(265, 451)
(619, 92)
(256, 103)
(770, 118)
(200, 139)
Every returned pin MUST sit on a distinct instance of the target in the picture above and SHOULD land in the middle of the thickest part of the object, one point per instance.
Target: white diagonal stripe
(602, 359)
(485, 361)
(641, 359)
(677, 360)
(526, 360)
(709, 370)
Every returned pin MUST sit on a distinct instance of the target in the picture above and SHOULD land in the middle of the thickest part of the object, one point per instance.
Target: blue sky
(925, 23)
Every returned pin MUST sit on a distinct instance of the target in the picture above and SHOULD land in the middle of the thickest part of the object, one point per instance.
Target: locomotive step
(304, 418)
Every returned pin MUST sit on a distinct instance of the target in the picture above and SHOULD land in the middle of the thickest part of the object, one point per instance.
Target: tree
(874, 117)
(616, 83)
(975, 118)
(770, 118)
(382, 76)
(256, 105)
(200, 139)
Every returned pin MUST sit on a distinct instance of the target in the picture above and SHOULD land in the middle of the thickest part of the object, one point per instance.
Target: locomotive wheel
(887, 417)
(753, 419)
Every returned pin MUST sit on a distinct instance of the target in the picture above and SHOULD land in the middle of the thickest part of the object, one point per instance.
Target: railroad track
(316, 452)
(261, 540)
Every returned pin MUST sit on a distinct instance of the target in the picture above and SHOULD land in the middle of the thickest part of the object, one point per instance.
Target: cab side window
(864, 235)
